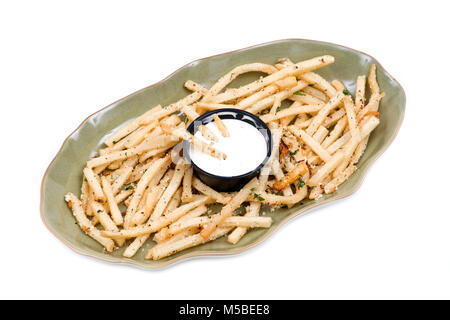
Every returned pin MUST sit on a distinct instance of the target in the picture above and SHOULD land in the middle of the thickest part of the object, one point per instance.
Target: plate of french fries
(120, 189)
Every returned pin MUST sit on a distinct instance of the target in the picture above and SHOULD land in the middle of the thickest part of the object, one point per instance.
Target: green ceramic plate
(64, 173)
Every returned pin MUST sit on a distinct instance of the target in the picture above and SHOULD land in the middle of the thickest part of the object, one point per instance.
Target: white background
(61, 61)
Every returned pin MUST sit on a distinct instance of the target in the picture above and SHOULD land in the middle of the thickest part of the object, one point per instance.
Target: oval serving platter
(65, 171)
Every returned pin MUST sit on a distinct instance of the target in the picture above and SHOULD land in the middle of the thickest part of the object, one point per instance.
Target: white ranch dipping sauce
(245, 149)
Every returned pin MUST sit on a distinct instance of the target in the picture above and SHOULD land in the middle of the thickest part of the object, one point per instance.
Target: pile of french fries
(139, 187)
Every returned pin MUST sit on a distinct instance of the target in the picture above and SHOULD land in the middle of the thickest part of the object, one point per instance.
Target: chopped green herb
(114, 142)
(301, 182)
(345, 91)
(98, 211)
(278, 109)
(284, 165)
(294, 153)
(257, 196)
(130, 186)
(298, 93)
(252, 189)
(311, 84)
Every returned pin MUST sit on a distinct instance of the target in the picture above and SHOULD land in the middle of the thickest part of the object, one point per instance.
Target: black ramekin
(232, 183)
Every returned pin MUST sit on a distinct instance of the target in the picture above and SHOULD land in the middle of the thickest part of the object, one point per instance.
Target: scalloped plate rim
(189, 256)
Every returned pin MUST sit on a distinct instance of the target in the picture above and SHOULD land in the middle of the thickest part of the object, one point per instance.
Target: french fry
(113, 207)
(351, 114)
(360, 95)
(269, 101)
(186, 196)
(193, 86)
(140, 188)
(228, 209)
(293, 110)
(326, 169)
(298, 68)
(334, 117)
(344, 175)
(372, 106)
(131, 250)
(123, 195)
(320, 134)
(274, 199)
(130, 127)
(221, 126)
(316, 93)
(317, 191)
(190, 112)
(299, 170)
(163, 250)
(311, 142)
(208, 191)
(183, 134)
(166, 232)
(214, 106)
(207, 133)
(320, 117)
(233, 74)
(84, 196)
(174, 107)
(319, 83)
(124, 175)
(305, 98)
(150, 202)
(335, 133)
(285, 83)
(350, 147)
(170, 191)
(157, 224)
(275, 163)
(85, 224)
(139, 135)
(152, 153)
(257, 96)
(94, 185)
(234, 221)
(105, 220)
(146, 145)
(338, 86)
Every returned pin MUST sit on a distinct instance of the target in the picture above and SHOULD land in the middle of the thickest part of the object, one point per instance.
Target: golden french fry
(299, 170)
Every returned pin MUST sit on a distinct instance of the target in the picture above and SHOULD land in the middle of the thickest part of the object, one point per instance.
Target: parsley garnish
(278, 109)
(252, 189)
(298, 93)
(257, 196)
(301, 182)
(130, 186)
(294, 153)
(345, 91)
(114, 142)
(311, 84)
(98, 211)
